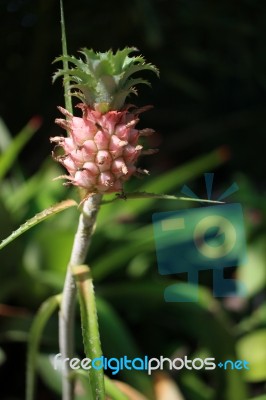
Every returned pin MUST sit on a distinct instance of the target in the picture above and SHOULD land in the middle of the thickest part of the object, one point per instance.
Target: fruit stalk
(67, 312)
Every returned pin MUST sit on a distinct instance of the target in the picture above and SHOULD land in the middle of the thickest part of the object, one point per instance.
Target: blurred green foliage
(212, 60)
(133, 317)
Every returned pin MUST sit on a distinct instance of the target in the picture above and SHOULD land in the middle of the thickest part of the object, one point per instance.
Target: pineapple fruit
(102, 147)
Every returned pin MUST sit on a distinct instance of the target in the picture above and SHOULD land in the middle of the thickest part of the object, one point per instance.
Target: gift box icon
(201, 238)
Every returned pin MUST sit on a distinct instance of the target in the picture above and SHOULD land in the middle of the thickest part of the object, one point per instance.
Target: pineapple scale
(101, 150)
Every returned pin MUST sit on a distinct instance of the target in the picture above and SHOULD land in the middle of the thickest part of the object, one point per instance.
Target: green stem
(68, 99)
(90, 329)
(79, 251)
(67, 312)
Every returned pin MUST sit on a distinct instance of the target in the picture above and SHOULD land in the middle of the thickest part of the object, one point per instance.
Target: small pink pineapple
(102, 148)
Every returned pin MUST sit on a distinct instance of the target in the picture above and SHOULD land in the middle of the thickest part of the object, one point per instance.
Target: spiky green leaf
(42, 216)
(104, 77)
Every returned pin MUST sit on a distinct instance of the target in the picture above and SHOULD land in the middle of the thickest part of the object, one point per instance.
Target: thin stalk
(67, 312)
(68, 99)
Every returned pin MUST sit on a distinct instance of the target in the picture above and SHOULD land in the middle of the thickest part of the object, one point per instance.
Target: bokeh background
(209, 116)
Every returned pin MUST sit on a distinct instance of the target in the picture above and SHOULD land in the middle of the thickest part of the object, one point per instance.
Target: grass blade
(42, 216)
(166, 182)
(44, 313)
(68, 99)
(146, 195)
(11, 153)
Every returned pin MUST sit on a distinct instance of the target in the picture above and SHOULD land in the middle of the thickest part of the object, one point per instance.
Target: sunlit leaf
(253, 272)
(252, 348)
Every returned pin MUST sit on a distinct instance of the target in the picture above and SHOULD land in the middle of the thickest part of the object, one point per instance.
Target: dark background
(211, 55)
(211, 93)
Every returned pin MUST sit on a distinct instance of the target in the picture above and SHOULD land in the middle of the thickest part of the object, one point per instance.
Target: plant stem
(67, 312)
(68, 99)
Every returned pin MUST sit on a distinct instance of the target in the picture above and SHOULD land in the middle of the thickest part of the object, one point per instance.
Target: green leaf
(253, 321)
(49, 249)
(51, 377)
(118, 257)
(196, 388)
(9, 260)
(202, 320)
(252, 348)
(103, 77)
(15, 329)
(5, 136)
(186, 172)
(253, 272)
(169, 181)
(11, 153)
(111, 389)
(83, 378)
(121, 342)
(136, 68)
(145, 195)
(121, 57)
(20, 197)
(41, 318)
(42, 216)
(89, 322)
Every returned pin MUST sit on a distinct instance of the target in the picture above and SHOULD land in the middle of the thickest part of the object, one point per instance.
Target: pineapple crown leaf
(104, 77)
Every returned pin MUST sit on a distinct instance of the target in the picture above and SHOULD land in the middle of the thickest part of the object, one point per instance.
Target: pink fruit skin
(102, 149)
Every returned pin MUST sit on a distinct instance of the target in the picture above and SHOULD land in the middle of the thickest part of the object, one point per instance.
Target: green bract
(104, 80)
